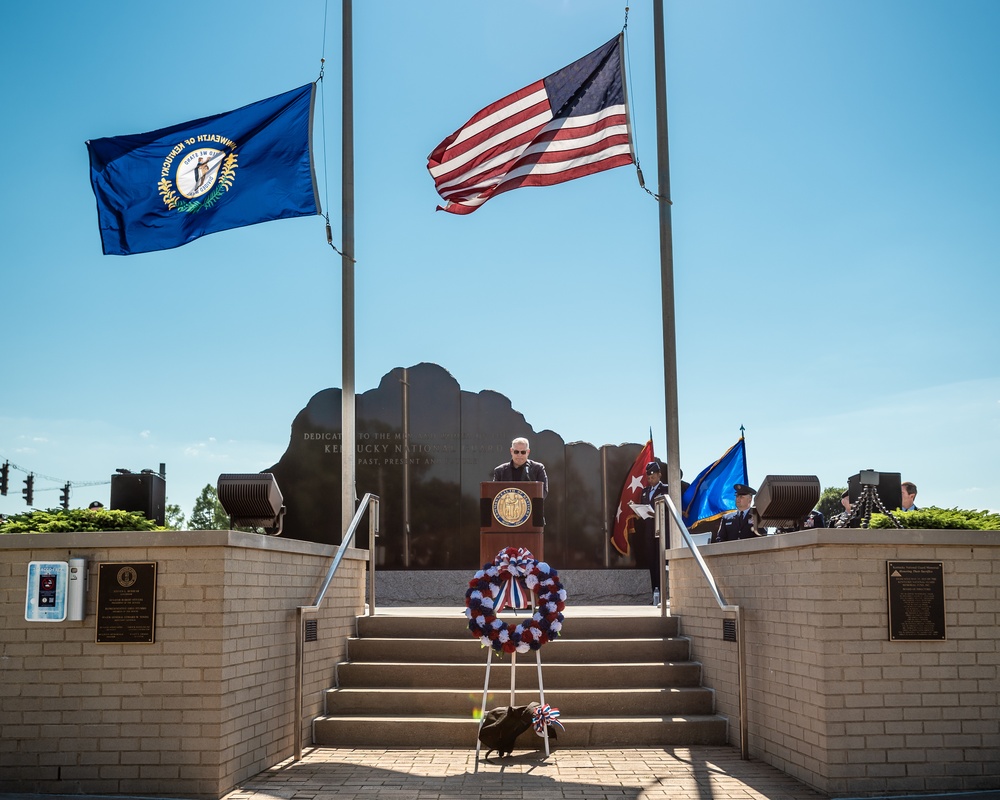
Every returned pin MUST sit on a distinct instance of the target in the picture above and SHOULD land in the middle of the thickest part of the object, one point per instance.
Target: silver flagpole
(406, 467)
(666, 272)
(604, 505)
(348, 443)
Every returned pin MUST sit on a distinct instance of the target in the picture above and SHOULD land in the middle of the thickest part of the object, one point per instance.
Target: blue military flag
(711, 494)
(166, 188)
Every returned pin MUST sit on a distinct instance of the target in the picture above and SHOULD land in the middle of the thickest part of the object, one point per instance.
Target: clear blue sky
(834, 171)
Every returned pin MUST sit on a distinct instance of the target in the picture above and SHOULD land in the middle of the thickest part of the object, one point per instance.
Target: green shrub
(950, 518)
(57, 520)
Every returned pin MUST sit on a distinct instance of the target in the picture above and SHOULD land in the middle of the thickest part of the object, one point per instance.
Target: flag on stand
(711, 494)
(624, 523)
(165, 188)
(570, 124)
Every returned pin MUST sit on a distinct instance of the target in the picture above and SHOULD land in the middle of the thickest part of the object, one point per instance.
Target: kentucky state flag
(165, 188)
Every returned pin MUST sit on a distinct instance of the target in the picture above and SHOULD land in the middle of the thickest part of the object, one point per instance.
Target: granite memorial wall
(424, 446)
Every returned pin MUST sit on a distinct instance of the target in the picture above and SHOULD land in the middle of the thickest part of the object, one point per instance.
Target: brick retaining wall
(205, 706)
(832, 701)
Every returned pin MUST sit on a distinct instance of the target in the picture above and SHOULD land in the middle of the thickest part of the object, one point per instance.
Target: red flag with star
(631, 489)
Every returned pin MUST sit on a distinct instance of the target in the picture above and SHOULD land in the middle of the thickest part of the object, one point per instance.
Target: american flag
(570, 124)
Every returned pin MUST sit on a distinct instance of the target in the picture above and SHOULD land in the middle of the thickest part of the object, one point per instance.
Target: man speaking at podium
(521, 468)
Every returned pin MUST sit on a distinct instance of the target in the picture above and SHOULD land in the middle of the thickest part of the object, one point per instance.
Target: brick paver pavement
(677, 773)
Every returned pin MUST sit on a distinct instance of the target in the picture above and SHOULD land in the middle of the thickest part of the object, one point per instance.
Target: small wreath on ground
(514, 574)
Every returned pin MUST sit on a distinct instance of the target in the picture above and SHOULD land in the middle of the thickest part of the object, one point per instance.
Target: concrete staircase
(618, 680)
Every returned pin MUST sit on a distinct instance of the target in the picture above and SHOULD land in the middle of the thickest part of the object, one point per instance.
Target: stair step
(471, 650)
(580, 732)
(455, 625)
(663, 701)
(554, 676)
(619, 681)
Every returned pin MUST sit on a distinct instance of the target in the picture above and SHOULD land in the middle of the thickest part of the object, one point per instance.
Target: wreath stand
(513, 682)
(516, 580)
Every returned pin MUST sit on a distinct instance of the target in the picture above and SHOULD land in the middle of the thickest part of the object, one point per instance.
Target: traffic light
(29, 490)
(4, 478)
(64, 497)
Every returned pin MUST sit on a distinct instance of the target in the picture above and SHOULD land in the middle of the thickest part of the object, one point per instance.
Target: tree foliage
(208, 513)
(829, 502)
(174, 517)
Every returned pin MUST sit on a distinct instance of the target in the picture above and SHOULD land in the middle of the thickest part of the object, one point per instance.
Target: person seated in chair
(739, 524)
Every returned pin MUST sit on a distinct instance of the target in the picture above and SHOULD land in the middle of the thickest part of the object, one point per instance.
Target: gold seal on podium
(511, 507)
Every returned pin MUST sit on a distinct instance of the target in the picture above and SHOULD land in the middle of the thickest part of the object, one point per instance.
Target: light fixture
(252, 501)
(784, 501)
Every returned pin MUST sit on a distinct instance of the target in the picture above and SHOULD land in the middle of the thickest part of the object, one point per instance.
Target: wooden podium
(511, 514)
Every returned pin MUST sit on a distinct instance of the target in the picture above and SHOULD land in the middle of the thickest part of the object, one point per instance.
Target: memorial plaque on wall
(916, 600)
(126, 603)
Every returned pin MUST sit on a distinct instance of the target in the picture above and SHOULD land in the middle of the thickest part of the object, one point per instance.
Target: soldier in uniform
(647, 548)
(738, 524)
(846, 518)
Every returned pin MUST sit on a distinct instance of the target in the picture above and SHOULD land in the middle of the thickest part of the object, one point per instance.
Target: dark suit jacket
(533, 471)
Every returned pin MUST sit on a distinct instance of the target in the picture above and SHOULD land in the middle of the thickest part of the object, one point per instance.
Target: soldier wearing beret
(739, 524)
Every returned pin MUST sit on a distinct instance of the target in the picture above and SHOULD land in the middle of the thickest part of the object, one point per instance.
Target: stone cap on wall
(80, 540)
(818, 537)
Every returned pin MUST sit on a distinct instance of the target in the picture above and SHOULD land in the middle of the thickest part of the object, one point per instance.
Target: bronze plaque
(916, 600)
(126, 603)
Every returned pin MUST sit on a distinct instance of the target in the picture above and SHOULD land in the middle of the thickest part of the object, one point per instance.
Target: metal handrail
(369, 502)
(660, 502)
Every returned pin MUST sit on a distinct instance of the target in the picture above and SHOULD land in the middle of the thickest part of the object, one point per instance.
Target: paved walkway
(680, 773)
(677, 773)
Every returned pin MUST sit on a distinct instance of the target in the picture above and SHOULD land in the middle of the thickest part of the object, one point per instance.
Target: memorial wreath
(510, 580)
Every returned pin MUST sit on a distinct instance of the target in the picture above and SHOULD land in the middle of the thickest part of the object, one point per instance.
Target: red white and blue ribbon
(516, 563)
(513, 594)
(515, 566)
(543, 716)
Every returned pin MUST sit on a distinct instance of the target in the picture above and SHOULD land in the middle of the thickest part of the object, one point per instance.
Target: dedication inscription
(424, 445)
(916, 600)
(126, 603)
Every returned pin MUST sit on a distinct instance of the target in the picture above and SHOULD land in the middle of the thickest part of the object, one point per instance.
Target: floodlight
(252, 501)
(784, 501)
